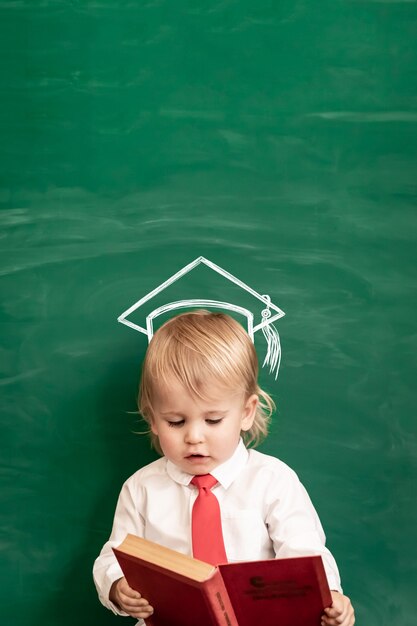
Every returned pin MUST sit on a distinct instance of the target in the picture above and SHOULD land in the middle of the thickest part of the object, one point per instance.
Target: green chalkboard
(278, 140)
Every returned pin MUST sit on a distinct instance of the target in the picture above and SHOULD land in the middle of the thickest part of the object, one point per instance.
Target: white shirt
(265, 510)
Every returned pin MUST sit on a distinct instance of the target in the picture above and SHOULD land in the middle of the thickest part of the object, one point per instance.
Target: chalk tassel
(273, 354)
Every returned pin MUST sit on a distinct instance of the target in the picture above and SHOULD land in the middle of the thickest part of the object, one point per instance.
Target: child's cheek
(170, 441)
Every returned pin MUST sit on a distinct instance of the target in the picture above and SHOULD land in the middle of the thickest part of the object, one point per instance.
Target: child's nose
(194, 434)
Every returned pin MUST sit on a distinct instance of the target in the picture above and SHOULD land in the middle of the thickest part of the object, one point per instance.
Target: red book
(188, 592)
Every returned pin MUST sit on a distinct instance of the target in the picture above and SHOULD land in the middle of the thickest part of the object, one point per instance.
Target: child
(200, 396)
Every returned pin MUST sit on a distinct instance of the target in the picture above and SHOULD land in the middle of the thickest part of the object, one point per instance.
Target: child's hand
(129, 600)
(341, 612)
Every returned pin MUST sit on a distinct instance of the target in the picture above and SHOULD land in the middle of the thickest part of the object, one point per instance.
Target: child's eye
(175, 424)
(212, 422)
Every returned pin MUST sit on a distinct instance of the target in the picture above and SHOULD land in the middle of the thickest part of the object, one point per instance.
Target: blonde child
(200, 397)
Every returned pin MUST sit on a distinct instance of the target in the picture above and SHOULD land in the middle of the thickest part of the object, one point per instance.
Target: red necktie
(206, 526)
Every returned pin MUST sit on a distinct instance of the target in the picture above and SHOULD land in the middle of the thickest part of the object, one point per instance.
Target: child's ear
(249, 412)
(153, 427)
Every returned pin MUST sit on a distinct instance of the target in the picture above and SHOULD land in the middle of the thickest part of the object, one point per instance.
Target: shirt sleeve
(106, 570)
(294, 526)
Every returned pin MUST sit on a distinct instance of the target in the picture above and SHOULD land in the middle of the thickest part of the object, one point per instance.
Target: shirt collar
(225, 473)
(229, 470)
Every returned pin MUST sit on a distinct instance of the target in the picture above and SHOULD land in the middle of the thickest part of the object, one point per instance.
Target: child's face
(196, 434)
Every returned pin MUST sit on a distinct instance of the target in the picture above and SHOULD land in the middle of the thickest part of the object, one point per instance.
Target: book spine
(326, 596)
(218, 601)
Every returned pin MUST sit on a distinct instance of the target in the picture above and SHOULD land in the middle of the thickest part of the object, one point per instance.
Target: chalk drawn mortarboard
(259, 312)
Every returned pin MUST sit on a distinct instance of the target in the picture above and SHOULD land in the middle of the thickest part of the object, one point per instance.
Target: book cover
(288, 592)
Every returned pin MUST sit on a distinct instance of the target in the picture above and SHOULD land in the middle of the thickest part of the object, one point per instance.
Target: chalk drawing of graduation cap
(265, 311)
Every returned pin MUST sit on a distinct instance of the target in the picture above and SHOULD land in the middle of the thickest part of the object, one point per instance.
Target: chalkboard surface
(277, 139)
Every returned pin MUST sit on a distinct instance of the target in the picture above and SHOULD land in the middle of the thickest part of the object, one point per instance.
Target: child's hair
(196, 348)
